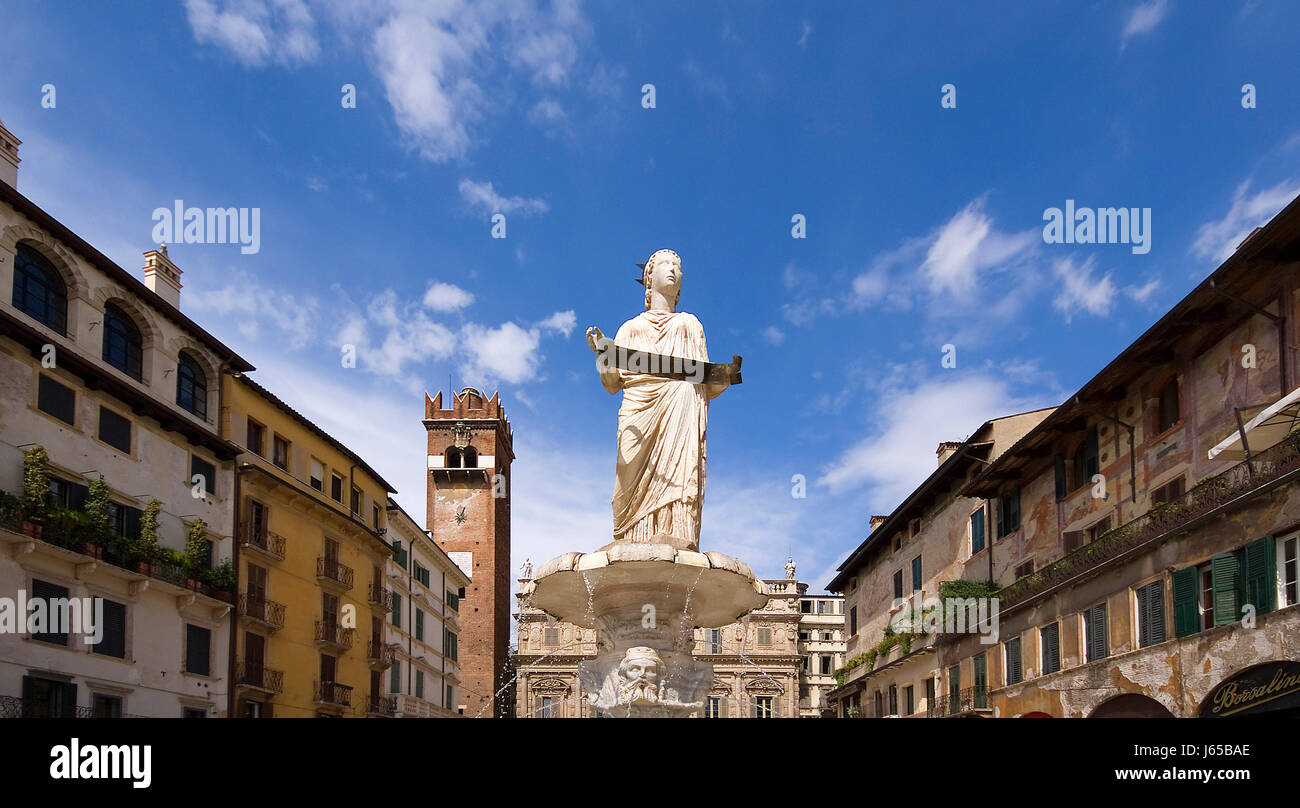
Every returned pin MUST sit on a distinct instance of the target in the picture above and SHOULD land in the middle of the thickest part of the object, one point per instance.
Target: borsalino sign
(1267, 688)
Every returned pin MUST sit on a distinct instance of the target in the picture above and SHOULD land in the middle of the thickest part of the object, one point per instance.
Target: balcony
(262, 540)
(379, 596)
(259, 610)
(1211, 496)
(333, 694)
(259, 677)
(331, 573)
(972, 701)
(15, 707)
(379, 654)
(330, 633)
(381, 706)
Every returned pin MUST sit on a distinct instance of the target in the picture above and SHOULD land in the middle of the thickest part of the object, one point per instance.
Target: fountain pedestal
(644, 601)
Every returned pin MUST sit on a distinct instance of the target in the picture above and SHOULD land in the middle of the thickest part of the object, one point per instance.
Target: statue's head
(663, 273)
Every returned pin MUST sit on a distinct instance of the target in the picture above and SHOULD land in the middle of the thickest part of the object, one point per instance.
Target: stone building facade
(758, 662)
(1145, 551)
(108, 377)
(470, 449)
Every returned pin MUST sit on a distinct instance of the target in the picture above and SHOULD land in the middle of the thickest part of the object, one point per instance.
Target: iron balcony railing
(330, 632)
(1209, 495)
(381, 705)
(259, 677)
(380, 596)
(969, 700)
(16, 707)
(266, 612)
(259, 537)
(380, 653)
(329, 569)
(333, 693)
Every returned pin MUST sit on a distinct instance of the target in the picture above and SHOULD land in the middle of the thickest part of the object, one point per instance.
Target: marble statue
(527, 570)
(789, 568)
(659, 482)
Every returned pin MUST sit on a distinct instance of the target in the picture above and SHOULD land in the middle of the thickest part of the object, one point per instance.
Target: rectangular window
(106, 706)
(1011, 650)
(825, 669)
(1289, 574)
(115, 430)
(397, 609)
(1186, 598)
(1024, 569)
(853, 621)
(893, 699)
(198, 650)
(450, 647)
(395, 677)
(419, 684)
(336, 487)
(1050, 640)
(765, 707)
(206, 471)
(898, 585)
(715, 641)
(374, 516)
(765, 636)
(909, 704)
(317, 475)
(450, 697)
(1151, 613)
(1168, 415)
(1207, 597)
(916, 574)
(356, 501)
(977, 531)
(1097, 644)
(56, 399)
(113, 641)
(713, 708)
(280, 456)
(255, 440)
(1009, 513)
(419, 624)
(55, 598)
(1227, 575)
(980, 671)
(954, 689)
(929, 693)
(1171, 491)
(399, 553)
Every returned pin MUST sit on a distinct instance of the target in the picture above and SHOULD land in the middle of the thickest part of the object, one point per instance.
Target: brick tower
(470, 451)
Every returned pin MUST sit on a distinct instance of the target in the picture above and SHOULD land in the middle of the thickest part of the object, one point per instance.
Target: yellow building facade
(312, 602)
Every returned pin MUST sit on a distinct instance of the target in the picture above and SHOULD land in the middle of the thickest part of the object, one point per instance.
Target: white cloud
(445, 297)
(483, 195)
(1143, 20)
(803, 38)
(253, 306)
(911, 422)
(505, 353)
(1080, 290)
(1219, 239)
(561, 322)
(774, 335)
(255, 32)
(965, 246)
(1142, 293)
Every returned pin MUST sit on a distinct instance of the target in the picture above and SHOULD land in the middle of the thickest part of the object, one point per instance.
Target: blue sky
(924, 224)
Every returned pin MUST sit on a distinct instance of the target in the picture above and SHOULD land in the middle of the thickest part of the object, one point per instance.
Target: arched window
(191, 386)
(453, 458)
(39, 290)
(122, 346)
(471, 458)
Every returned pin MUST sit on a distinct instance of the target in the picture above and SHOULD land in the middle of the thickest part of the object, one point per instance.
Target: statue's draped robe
(659, 487)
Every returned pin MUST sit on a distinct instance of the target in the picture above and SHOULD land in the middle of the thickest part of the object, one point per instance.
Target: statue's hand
(595, 339)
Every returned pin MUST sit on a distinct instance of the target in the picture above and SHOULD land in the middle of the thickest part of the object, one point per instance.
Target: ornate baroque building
(759, 663)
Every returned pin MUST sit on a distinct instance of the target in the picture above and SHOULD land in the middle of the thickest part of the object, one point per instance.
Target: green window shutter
(1261, 574)
(419, 624)
(1013, 661)
(1060, 477)
(1156, 612)
(1226, 578)
(1098, 646)
(395, 678)
(419, 684)
(1092, 457)
(397, 610)
(977, 531)
(1187, 617)
(1050, 637)
(1013, 511)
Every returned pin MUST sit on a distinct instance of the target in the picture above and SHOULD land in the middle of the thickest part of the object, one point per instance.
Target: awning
(1264, 430)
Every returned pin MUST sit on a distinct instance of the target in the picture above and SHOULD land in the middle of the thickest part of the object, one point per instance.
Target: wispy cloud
(256, 32)
(482, 195)
(1143, 19)
(1081, 290)
(1220, 238)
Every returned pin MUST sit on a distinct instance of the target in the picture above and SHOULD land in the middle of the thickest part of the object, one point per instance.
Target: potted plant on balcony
(146, 550)
(11, 510)
(36, 490)
(222, 581)
(95, 522)
(196, 553)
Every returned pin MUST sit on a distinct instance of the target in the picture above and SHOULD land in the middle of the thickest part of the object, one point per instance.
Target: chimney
(877, 521)
(8, 157)
(946, 449)
(162, 276)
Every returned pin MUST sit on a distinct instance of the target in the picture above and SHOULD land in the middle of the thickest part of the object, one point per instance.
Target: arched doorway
(1269, 690)
(1132, 705)
(1035, 714)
